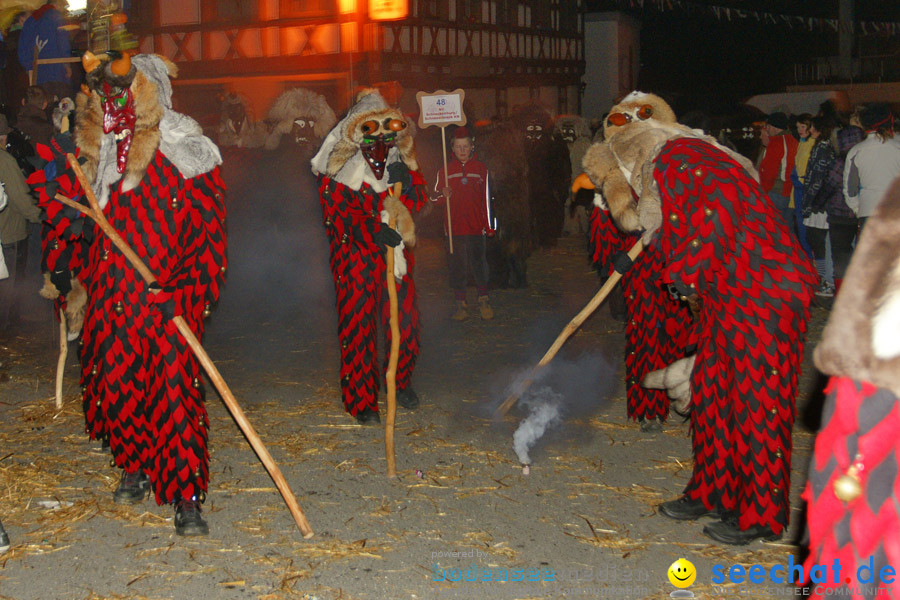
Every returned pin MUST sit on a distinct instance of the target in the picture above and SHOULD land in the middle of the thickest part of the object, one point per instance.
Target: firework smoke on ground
(543, 413)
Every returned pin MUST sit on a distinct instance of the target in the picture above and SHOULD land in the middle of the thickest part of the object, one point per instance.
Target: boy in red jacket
(466, 189)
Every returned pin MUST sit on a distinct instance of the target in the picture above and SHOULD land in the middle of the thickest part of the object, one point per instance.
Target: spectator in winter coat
(777, 164)
(873, 164)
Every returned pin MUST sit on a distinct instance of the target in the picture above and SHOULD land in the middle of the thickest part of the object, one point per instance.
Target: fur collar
(862, 337)
(177, 136)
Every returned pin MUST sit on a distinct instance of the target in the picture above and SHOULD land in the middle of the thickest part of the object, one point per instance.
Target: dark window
(469, 11)
(434, 9)
(140, 15)
(540, 14)
(299, 8)
(236, 10)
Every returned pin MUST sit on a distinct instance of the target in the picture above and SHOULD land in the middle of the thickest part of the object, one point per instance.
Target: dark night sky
(695, 54)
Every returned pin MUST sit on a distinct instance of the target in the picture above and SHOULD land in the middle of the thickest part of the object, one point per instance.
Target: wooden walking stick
(63, 353)
(96, 213)
(391, 375)
(569, 329)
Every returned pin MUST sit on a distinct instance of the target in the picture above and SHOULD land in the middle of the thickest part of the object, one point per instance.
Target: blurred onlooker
(43, 32)
(843, 223)
(819, 190)
(575, 133)
(780, 150)
(33, 120)
(873, 164)
(237, 126)
(804, 147)
(13, 229)
(14, 79)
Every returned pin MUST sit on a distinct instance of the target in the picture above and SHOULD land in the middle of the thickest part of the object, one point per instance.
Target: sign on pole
(442, 108)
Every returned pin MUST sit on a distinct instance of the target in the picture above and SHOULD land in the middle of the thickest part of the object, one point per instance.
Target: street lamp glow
(77, 5)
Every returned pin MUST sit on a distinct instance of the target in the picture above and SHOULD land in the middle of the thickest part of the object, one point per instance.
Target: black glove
(385, 236)
(62, 280)
(399, 172)
(622, 263)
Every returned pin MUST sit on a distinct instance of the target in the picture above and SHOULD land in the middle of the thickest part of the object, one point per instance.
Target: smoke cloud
(544, 412)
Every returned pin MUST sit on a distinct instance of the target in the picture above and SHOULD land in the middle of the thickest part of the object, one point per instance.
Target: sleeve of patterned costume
(194, 283)
(415, 198)
(700, 223)
(62, 236)
(606, 241)
(343, 215)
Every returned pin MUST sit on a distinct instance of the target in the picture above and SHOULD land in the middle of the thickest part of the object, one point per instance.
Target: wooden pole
(391, 374)
(96, 213)
(63, 353)
(569, 329)
(446, 185)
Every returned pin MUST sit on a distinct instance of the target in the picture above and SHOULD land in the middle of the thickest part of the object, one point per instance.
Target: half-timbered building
(502, 52)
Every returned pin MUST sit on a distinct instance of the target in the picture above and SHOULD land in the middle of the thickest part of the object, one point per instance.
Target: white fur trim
(399, 259)
(886, 322)
(600, 202)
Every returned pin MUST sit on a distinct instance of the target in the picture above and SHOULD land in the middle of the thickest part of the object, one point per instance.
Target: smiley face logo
(682, 573)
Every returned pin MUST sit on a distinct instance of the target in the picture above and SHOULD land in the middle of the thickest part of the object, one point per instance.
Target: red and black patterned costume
(722, 239)
(853, 491)
(357, 167)
(357, 264)
(657, 327)
(140, 380)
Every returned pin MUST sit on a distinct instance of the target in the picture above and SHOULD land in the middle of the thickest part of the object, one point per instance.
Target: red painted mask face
(119, 118)
(378, 139)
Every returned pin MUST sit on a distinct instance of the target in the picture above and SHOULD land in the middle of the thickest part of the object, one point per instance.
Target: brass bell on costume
(848, 487)
(206, 311)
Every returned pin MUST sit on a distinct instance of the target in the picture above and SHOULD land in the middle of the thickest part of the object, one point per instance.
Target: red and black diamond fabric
(656, 326)
(861, 428)
(141, 382)
(352, 218)
(723, 239)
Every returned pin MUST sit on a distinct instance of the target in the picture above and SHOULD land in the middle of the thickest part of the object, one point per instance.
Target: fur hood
(340, 158)
(625, 160)
(177, 136)
(862, 337)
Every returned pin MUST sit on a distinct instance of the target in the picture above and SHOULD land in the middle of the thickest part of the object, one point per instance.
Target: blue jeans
(788, 214)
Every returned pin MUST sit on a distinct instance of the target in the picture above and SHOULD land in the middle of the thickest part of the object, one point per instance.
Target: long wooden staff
(391, 375)
(569, 329)
(96, 213)
(63, 353)
(446, 185)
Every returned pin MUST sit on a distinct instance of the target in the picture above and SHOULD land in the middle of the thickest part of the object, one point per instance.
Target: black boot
(728, 531)
(133, 488)
(684, 509)
(4, 540)
(188, 519)
(653, 425)
(368, 416)
(408, 398)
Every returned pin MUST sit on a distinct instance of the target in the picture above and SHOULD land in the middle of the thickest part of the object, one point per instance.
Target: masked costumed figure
(852, 492)
(237, 127)
(574, 131)
(549, 173)
(357, 166)
(157, 179)
(300, 119)
(502, 148)
(723, 246)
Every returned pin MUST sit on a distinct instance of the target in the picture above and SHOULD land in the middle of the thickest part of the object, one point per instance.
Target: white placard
(441, 108)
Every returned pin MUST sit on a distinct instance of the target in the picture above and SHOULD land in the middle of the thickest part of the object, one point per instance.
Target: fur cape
(862, 337)
(179, 137)
(294, 104)
(625, 160)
